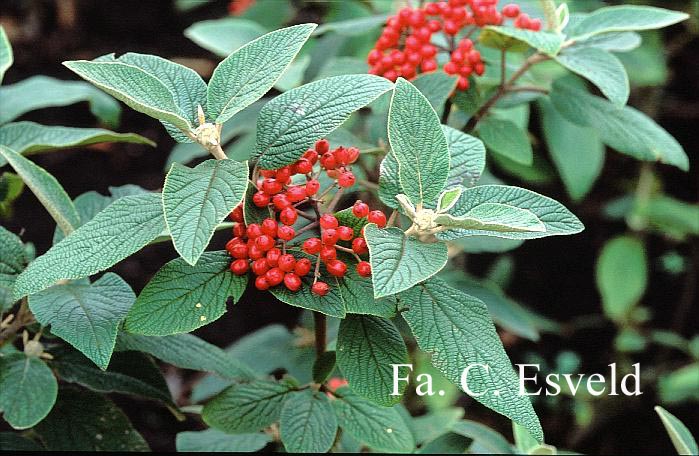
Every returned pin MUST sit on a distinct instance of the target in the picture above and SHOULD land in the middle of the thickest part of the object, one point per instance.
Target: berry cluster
(406, 41)
(263, 247)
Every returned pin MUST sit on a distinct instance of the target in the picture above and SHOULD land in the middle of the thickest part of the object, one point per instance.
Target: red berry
(377, 217)
(274, 277)
(304, 166)
(312, 187)
(463, 83)
(333, 173)
(311, 155)
(352, 154)
(336, 268)
(268, 172)
(428, 51)
(260, 199)
(328, 253)
(373, 57)
(432, 9)
(322, 146)
(260, 266)
(328, 221)
(285, 233)
(269, 227)
(359, 246)
(328, 161)
(253, 230)
(287, 262)
(364, 268)
(303, 267)
(345, 233)
(264, 242)
(288, 216)
(320, 288)
(273, 257)
(296, 193)
(237, 214)
(271, 186)
(451, 68)
(434, 26)
(239, 230)
(239, 251)
(292, 281)
(346, 179)
(450, 27)
(280, 201)
(341, 156)
(312, 245)
(428, 65)
(337, 382)
(360, 209)
(261, 283)
(255, 252)
(239, 267)
(283, 175)
(330, 236)
(535, 25)
(510, 10)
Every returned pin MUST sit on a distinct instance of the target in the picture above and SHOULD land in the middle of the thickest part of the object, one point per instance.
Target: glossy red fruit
(364, 268)
(377, 217)
(260, 199)
(345, 233)
(287, 262)
(304, 166)
(274, 276)
(359, 246)
(328, 221)
(333, 173)
(346, 179)
(292, 281)
(320, 288)
(239, 267)
(237, 214)
(239, 230)
(341, 156)
(255, 253)
(336, 268)
(273, 257)
(330, 236)
(238, 250)
(264, 242)
(352, 154)
(327, 253)
(311, 155)
(511, 10)
(253, 231)
(360, 209)
(269, 227)
(312, 187)
(271, 186)
(303, 267)
(296, 193)
(283, 175)
(312, 245)
(288, 216)
(268, 172)
(322, 146)
(286, 233)
(280, 201)
(260, 266)
(261, 283)
(328, 161)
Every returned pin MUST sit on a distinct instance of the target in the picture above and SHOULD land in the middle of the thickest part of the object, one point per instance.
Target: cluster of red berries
(405, 43)
(262, 248)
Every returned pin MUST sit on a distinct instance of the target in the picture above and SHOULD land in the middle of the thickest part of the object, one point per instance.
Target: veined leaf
(494, 217)
(39, 92)
(601, 68)
(248, 73)
(223, 36)
(246, 407)
(398, 261)
(6, 57)
(380, 428)
(294, 120)
(213, 440)
(367, 347)
(623, 256)
(456, 329)
(352, 27)
(511, 38)
(556, 218)
(181, 298)
(436, 87)
(611, 41)
(134, 86)
(418, 144)
(28, 390)
(307, 422)
(504, 137)
(45, 187)
(196, 200)
(681, 438)
(467, 157)
(12, 262)
(86, 315)
(120, 230)
(625, 18)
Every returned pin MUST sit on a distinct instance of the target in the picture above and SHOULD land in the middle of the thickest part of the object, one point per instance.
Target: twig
(310, 226)
(345, 249)
(320, 326)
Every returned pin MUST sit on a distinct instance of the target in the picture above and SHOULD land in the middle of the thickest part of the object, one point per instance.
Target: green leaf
(487, 439)
(494, 217)
(307, 423)
(40, 92)
(380, 428)
(418, 144)
(625, 18)
(681, 438)
(621, 275)
(181, 298)
(11, 441)
(223, 36)
(347, 218)
(556, 218)
(456, 329)
(467, 157)
(436, 87)
(367, 347)
(324, 366)
(246, 407)
(45, 187)
(12, 262)
(601, 68)
(213, 440)
(670, 214)
(86, 315)
(612, 41)
(11, 187)
(504, 137)
(186, 351)
(510, 38)
(134, 86)
(431, 425)
(294, 120)
(627, 130)
(196, 200)
(29, 137)
(576, 151)
(6, 57)
(248, 73)
(399, 261)
(27, 390)
(120, 230)
(352, 27)
(72, 426)
(448, 198)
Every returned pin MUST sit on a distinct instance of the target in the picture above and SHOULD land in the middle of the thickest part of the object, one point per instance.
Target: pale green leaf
(39, 92)
(248, 73)
(352, 27)
(431, 425)
(625, 18)
(181, 298)
(213, 440)
(12, 262)
(681, 438)
(307, 423)
(46, 188)
(467, 157)
(28, 390)
(6, 57)
(487, 439)
(448, 198)
(436, 87)
(621, 275)
(612, 41)
(456, 330)
(367, 347)
(508, 37)
(398, 261)
(418, 144)
(504, 137)
(294, 120)
(196, 200)
(86, 315)
(223, 36)
(494, 217)
(120, 230)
